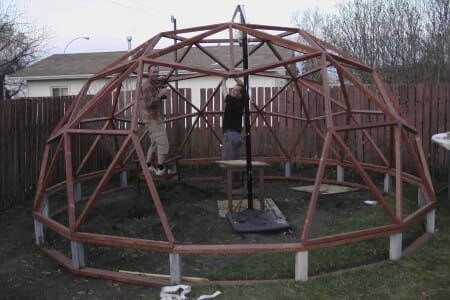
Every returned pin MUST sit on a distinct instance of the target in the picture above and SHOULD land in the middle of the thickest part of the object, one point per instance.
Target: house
(65, 74)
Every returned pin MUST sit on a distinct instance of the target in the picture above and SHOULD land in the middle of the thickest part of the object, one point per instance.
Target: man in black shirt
(232, 124)
(232, 121)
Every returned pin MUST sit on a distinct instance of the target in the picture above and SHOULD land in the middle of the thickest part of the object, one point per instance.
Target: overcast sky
(108, 22)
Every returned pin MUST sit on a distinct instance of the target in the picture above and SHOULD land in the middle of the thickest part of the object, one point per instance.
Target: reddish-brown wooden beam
(69, 110)
(275, 96)
(236, 248)
(423, 161)
(319, 92)
(297, 140)
(418, 214)
(194, 29)
(93, 174)
(261, 68)
(198, 161)
(153, 191)
(188, 77)
(277, 140)
(56, 187)
(104, 274)
(348, 105)
(374, 144)
(188, 102)
(352, 63)
(366, 91)
(331, 47)
(372, 187)
(189, 133)
(107, 88)
(205, 32)
(126, 107)
(128, 121)
(387, 97)
(280, 58)
(366, 112)
(40, 194)
(122, 277)
(285, 30)
(398, 173)
(99, 131)
(180, 66)
(122, 241)
(272, 75)
(106, 176)
(274, 39)
(55, 136)
(113, 71)
(90, 151)
(303, 106)
(320, 134)
(365, 126)
(148, 44)
(420, 167)
(315, 192)
(47, 172)
(137, 98)
(326, 93)
(94, 120)
(69, 180)
(350, 237)
(309, 179)
(210, 55)
(52, 224)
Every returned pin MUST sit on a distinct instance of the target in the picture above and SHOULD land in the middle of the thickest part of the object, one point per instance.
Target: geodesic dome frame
(116, 126)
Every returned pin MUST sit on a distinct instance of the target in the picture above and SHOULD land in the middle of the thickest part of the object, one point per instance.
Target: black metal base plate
(251, 220)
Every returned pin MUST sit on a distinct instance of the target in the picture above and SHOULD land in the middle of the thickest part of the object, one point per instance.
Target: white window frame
(60, 88)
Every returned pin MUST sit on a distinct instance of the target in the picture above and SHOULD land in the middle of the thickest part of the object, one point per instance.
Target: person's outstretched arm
(224, 87)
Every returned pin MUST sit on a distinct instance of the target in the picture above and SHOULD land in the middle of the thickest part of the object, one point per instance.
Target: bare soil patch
(191, 208)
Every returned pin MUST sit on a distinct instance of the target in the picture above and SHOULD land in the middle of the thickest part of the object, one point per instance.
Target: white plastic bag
(171, 293)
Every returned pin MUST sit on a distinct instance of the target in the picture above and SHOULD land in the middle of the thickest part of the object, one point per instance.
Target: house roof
(68, 65)
(84, 65)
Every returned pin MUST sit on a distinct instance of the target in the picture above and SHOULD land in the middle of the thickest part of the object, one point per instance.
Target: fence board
(444, 108)
(25, 126)
(426, 134)
(3, 152)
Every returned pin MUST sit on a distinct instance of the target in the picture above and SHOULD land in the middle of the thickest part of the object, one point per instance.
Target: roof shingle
(84, 65)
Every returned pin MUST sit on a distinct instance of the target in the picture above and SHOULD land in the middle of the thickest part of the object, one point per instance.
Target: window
(60, 91)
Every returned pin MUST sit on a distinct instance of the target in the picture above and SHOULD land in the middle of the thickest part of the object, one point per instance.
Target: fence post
(301, 266)
(175, 268)
(38, 226)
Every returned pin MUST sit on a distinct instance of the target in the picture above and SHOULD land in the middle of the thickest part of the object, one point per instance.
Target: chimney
(129, 42)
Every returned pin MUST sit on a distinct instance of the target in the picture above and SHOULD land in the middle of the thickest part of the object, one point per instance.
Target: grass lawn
(424, 274)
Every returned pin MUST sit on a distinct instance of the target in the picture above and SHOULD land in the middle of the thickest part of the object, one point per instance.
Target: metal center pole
(246, 98)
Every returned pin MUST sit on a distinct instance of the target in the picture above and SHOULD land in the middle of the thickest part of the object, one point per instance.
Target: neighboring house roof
(84, 65)
(78, 65)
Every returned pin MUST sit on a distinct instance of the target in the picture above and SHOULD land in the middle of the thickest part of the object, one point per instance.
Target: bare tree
(312, 21)
(437, 40)
(383, 34)
(20, 44)
(405, 40)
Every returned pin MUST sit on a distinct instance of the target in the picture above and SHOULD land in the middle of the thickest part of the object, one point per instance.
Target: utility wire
(142, 10)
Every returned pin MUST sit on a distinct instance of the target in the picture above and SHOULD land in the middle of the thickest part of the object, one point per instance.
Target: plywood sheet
(241, 205)
(324, 189)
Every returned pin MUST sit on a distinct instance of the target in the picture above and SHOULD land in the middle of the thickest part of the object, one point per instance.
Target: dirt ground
(192, 211)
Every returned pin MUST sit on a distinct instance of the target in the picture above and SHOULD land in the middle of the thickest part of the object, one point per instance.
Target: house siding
(42, 88)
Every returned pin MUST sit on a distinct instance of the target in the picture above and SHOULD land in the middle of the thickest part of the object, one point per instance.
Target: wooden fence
(25, 125)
